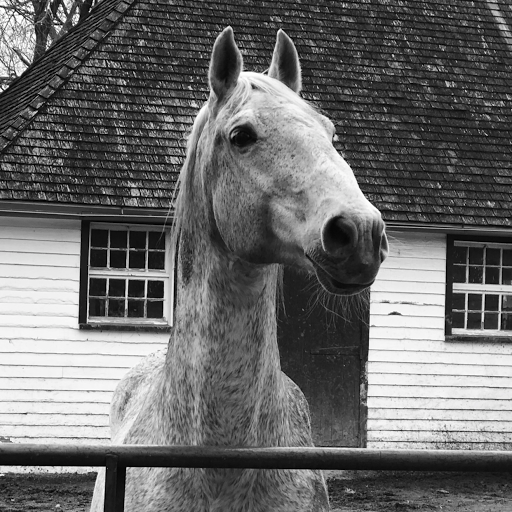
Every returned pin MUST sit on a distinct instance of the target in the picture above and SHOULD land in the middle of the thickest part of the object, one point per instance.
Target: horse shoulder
(298, 410)
(128, 399)
(300, 429)
(132, 391)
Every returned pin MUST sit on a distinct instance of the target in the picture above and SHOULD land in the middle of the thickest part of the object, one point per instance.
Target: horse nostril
(337, 235)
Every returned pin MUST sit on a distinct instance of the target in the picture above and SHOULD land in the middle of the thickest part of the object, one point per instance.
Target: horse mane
(183, 187)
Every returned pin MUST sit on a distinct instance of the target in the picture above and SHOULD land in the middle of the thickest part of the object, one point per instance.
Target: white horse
(262, 186)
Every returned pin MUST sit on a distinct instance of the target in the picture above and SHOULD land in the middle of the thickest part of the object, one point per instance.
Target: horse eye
(243, 138)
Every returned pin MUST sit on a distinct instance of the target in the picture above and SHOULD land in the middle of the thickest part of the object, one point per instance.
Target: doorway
(325, 353)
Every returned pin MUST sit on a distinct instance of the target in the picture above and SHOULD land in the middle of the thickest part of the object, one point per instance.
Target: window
(128, 278)
(479, 294)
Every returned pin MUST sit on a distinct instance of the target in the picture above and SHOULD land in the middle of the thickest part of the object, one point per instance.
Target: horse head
(277, 189)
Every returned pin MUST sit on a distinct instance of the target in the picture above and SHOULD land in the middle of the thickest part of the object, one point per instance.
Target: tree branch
(22, 57)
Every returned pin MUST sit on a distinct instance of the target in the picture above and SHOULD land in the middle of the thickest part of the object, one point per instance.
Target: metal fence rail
(117, 458)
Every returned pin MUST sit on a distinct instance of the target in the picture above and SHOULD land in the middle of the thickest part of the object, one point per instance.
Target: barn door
(326, 355)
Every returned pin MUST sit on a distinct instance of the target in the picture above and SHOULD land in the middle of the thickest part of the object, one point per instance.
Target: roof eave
(452, 229)
(82, 211)
(162, 215)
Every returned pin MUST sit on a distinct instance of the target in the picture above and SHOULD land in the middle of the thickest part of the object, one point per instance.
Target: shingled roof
(420, 91)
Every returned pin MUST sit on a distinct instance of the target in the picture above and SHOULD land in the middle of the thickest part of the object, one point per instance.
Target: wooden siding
(56, 381)
(423, 391)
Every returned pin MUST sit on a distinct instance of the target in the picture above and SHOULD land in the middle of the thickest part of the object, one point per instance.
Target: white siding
(423, 391)
(56, 381)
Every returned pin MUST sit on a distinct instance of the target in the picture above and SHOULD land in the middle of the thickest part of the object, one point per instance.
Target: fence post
(115, 480)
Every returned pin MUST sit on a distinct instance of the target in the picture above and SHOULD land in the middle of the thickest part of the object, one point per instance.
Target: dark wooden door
(325, 354)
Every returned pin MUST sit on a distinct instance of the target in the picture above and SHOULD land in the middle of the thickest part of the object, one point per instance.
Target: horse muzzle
(348, 255)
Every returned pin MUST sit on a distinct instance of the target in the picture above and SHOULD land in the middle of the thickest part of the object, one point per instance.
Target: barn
(92, 137)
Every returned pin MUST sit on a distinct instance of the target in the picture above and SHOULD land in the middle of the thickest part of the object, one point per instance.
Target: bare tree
(29, 27)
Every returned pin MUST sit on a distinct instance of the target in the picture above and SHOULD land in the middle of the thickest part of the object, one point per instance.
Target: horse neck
(222, 368)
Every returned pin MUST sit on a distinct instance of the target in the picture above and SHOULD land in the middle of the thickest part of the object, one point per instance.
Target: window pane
(506, 303)
(474, 321)
(98, 258)
(118, 239)
(137, 259)
(474, 301)
(96, 307)
(460, 254)
(459, 301)
(156, 260)
(459, 274)
(98, 287)
(118, 259)
(476, 255)
(507, 257)
(137, 239)
(155, 309)
(135, 288)
(506, 322)
(99, 238)
(155, 289)
(476, 274)
(156, 240)
(492, 275)
(492, 257)
(507, 276)
(491, 321)
(458, 320)
(116, 307)
(136, 308)
(116, 287)
(492, 302)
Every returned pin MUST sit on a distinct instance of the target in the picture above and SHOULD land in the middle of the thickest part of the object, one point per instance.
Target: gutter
(450, 228)
(81, 211)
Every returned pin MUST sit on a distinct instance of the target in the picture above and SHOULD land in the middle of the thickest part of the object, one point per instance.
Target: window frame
(452, 334)
(86, 272)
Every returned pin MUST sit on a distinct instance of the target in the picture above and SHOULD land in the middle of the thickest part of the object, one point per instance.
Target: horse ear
(225, 65)
(285, 65)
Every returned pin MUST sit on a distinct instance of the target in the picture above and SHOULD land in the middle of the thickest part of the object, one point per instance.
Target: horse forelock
(249, 81)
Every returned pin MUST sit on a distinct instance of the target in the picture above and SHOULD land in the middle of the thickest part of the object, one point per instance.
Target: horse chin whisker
(348, 308)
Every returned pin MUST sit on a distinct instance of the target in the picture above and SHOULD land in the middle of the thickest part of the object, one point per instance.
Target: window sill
(125, 327)
(499, 338)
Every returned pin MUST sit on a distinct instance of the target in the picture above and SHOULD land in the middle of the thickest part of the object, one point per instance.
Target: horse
(262, 186)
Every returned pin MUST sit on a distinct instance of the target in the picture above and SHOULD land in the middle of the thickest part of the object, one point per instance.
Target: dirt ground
(404, 491)
(350, 491)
